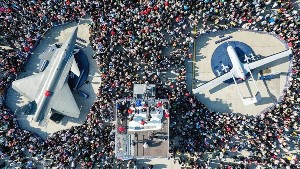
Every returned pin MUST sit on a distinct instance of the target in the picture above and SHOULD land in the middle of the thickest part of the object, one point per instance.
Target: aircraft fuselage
(238, 70)
(55, 72)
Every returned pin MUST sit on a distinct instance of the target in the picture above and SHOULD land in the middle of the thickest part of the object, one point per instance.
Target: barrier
(223, 39)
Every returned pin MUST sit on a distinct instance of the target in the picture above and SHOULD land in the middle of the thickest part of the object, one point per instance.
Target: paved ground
(16, 102)
(225, 98)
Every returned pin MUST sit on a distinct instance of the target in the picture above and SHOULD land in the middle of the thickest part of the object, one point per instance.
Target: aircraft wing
(64, 102)
(30, 86)
(269, 59)
(214, 82)
(49, 53)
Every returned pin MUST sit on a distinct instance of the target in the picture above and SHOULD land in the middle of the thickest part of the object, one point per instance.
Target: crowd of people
(133, 41)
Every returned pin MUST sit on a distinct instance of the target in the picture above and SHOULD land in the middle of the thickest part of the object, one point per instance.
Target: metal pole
(252, 78)
(79, 79)
(237, 86)
(194, 58)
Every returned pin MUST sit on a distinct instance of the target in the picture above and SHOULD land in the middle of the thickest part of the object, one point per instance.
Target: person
(143, 31)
